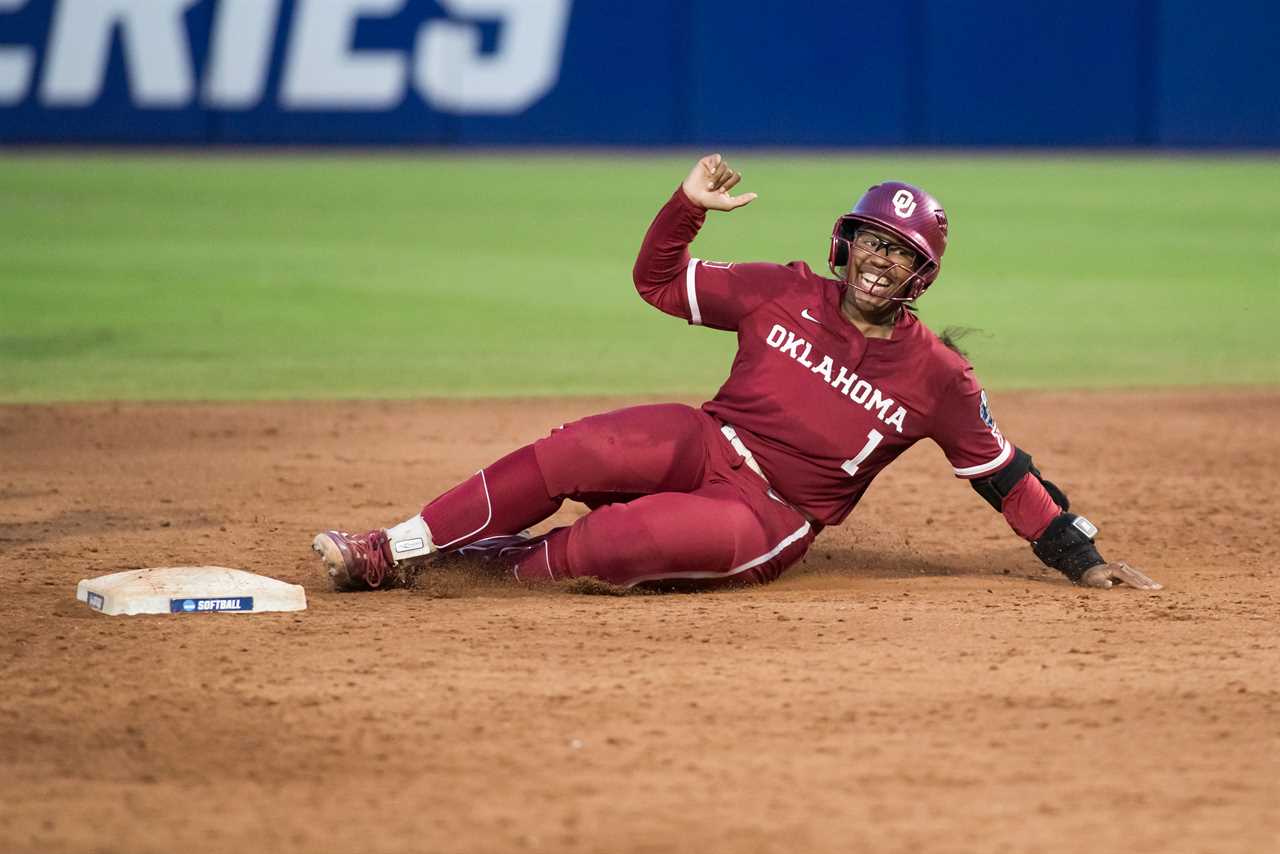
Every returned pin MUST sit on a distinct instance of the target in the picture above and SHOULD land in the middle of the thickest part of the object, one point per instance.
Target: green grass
(173, 277)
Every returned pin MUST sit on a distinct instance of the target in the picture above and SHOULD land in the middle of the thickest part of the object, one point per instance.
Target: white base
(187, 590)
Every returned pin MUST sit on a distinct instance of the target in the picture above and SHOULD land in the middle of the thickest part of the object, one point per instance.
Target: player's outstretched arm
(1037, 509)
(709, 183)
(1066, 543)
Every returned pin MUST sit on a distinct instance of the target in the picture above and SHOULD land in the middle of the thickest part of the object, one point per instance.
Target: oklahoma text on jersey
(846, 382)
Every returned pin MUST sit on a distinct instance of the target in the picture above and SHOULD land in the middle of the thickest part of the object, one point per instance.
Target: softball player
(833, 380)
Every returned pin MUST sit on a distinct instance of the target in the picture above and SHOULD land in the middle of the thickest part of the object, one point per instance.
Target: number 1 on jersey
(873, 439)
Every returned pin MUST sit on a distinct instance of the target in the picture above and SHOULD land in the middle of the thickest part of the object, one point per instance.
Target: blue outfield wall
(660, 72)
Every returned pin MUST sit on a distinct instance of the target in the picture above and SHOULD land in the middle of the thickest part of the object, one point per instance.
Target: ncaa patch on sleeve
(984, 411)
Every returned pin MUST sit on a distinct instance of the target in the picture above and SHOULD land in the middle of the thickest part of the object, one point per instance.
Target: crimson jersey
(821, 407)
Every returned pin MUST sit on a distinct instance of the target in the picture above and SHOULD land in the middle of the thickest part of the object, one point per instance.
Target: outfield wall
(658, 72)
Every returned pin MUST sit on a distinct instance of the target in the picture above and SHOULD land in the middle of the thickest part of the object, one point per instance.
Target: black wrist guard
(1067, 545)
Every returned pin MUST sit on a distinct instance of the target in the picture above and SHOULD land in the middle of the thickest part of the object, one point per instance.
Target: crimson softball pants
(672, 503)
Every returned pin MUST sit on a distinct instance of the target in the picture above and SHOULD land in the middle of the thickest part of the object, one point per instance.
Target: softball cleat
(355, 561)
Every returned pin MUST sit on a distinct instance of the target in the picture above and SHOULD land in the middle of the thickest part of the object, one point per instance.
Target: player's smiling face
(881, 266)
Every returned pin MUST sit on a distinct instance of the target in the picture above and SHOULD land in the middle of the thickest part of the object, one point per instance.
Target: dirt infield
(918, 684)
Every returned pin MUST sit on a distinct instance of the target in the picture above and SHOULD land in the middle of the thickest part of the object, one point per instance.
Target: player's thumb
(744, 199)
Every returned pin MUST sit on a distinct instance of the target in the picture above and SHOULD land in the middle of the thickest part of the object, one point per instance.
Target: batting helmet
(906, 211)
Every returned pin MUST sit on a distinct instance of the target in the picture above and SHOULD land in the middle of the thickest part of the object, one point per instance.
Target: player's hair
(952, 335)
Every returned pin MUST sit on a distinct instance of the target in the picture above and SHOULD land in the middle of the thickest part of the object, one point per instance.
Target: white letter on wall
(16, 63)
(452, 75)
(240, 53)
(156, 51)
(323, 72)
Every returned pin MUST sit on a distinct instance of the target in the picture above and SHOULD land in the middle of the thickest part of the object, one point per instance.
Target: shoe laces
(374, 557)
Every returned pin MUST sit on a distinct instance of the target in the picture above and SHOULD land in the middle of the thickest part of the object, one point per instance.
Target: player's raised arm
(705, 293)
(664, 264)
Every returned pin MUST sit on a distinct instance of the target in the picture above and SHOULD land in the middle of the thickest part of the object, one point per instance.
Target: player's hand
(1112, 574)
(709, 183)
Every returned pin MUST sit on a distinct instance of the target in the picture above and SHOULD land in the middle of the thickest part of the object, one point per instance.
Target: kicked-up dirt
(919, 683)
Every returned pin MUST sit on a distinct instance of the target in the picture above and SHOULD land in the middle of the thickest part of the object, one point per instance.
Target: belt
(743, 451)
(750, 459)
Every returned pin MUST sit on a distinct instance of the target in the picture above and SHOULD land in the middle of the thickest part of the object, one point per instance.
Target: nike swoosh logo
(804, 312)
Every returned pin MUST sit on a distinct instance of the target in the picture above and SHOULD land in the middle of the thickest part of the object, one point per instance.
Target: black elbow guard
(1067, 545)
(996, 488)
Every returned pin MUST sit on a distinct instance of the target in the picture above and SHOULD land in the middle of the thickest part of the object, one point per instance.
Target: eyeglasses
(898, 253)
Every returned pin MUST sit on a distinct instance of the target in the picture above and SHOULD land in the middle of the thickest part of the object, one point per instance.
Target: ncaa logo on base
(904, 203)
(200, 606)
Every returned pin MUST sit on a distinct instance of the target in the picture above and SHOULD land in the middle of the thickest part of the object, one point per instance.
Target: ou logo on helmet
(904, 203)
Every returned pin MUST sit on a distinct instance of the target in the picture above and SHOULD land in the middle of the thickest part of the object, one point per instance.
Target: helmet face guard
(909, 214)
(840, 260)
